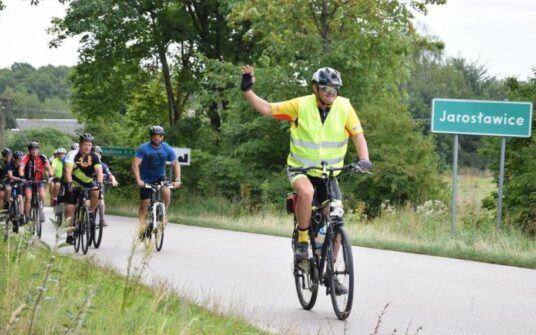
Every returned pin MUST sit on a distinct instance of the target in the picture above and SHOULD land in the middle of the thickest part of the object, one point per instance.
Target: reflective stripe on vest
(324, 144)
(312, 142)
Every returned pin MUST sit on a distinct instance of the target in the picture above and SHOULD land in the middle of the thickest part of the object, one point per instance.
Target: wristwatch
(178, 180)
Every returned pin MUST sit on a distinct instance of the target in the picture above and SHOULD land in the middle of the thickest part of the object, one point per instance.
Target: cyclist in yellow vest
(321, 124)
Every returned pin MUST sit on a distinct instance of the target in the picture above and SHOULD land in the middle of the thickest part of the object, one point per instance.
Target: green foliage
(177, 64)
(405, 165)
(49, 140)
(45, 82)
(520, 175)
(434, 76)
(36, 93)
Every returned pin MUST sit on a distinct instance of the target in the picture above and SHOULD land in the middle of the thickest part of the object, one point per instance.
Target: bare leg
(303, 187)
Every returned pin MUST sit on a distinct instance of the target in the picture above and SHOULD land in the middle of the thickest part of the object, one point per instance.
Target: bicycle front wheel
(160, 226)
(97, 228)
(85, 231)
(36, 222)
(341, 272)
(77, 231)
(304, 278)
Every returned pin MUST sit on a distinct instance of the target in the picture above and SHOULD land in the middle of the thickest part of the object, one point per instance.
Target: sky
(499, 34)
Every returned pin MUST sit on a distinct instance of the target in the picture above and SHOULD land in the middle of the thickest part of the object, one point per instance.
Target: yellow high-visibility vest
(312, 142)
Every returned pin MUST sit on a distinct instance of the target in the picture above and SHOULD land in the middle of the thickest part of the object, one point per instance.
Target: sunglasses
(328, 89)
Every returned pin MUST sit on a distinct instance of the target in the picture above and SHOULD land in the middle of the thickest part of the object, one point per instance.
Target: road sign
(118, 151)
(478, 117)
(183, 155)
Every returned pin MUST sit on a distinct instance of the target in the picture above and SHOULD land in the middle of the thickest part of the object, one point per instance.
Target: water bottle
(319, 240)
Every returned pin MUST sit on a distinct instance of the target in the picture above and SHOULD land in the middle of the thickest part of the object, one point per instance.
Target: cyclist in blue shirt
(149, 166)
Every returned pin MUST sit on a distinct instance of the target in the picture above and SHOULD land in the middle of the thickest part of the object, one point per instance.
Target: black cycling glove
(247, 82)
(365, 164)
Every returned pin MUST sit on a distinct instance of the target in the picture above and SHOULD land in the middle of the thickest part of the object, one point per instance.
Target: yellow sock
(303, 236)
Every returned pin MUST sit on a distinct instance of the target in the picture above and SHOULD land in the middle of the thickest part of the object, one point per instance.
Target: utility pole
(5, 107)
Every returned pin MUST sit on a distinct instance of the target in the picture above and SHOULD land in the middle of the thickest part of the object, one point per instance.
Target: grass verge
(43, 292)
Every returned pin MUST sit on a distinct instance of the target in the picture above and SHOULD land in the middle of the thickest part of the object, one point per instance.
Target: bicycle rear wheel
(160, 226)
(341, 272)
(304, 278)
(97, 228)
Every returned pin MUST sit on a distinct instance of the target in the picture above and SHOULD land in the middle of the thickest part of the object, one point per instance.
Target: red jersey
(34, 167)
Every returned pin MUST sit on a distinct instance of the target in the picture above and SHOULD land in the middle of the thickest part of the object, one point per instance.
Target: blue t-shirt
(153, 164)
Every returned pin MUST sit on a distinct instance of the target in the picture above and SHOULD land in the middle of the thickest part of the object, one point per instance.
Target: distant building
(68, 126)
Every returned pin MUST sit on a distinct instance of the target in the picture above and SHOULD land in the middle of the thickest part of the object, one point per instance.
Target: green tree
(49, 140)
(519, 174)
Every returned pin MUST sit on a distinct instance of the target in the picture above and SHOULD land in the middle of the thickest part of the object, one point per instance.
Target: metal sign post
(454, 185)
(501, 180)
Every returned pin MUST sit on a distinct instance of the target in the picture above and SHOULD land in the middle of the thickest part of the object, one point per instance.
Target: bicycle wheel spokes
(341, 276)
(159, 225)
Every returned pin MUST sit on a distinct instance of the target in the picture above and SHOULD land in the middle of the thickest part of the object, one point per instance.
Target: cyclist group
(69, 172)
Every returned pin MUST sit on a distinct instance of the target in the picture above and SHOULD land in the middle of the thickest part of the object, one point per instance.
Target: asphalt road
(251, 275)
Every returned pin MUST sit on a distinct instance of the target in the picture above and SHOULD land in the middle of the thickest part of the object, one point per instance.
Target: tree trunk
(172, 107)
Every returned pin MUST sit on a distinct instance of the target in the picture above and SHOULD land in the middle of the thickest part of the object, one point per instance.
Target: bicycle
(332, 263)
(82, 232)
(37, 215)
(14, 218)
(155, 219)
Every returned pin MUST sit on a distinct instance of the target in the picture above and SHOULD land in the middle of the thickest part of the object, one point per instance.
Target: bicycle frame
(318, 211)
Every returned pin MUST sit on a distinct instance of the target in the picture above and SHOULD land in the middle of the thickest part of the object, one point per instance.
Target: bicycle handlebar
(355, 167)
(159, 185)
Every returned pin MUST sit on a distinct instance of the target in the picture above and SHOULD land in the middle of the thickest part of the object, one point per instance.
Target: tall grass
(43, 292)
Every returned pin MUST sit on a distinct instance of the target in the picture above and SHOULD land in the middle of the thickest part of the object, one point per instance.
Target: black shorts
(321, 191)
(70, 197)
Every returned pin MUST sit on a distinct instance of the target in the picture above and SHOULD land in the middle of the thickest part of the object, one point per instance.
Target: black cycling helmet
(6, 152)
(75, 146)
(327, 76)
(156, 130)
(18, 154)
(87, 137)
(33, 145)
